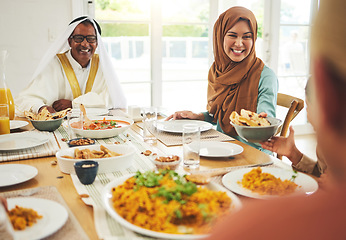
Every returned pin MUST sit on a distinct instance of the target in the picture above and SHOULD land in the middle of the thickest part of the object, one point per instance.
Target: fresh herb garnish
(294, 176)
(113, 123)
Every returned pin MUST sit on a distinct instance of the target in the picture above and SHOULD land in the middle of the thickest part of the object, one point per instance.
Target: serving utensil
(87, 121)
(204, 177)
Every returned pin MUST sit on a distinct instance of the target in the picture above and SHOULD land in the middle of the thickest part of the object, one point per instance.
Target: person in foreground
(286, 146)
(71, 69)
(237, 79)
(323, 214)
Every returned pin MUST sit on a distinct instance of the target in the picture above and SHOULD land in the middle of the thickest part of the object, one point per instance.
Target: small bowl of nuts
(77, 142)
(167, 162)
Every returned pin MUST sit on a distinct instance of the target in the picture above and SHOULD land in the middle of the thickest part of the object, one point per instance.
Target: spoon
(204, 177)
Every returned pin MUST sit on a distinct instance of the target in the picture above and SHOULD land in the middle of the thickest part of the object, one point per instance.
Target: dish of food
(22, 140)
(77, 142)
(121, 201)
(101, 127)
(167, 162)
(233, 181)
(54, 216)
(22, 217)
(45, 115)
(86, 153)
(110, 164)
(14, 124)
(219, 149)
(258, 133)
(11, 174)
(176, 126)
(248, 118)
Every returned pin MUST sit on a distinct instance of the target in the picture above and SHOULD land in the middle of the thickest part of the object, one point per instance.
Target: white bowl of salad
(101, 126)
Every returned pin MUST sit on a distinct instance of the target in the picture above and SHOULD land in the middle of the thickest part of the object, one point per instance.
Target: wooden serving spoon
(87, 121)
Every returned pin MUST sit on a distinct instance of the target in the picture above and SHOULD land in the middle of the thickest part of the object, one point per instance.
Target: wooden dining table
(49, 174)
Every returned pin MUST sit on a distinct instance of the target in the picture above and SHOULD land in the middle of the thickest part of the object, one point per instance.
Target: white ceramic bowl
(258, 134)
(106, 133)
(105, 164)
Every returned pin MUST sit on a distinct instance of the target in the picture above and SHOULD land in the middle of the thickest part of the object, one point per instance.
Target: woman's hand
(185, 115)
(284, 146)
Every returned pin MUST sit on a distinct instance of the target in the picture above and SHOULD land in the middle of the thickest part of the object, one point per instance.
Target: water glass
(191, 145)
(4, 119)
(149, 115)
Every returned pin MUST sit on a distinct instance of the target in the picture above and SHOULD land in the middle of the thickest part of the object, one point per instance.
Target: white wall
(27, 28)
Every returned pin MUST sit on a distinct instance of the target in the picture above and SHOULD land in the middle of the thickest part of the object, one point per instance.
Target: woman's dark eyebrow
(230, 32)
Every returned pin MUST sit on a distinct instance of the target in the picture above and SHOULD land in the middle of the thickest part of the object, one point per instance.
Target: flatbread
(248, 118)
(45, 115)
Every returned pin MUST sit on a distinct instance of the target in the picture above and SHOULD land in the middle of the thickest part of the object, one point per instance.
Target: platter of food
(111, 157)
(101, 127)
(49, 215)
(176, 126)
(264, 183)
(144, 201)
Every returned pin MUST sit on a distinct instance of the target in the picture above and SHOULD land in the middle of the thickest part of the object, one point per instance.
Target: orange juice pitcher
(5, 93)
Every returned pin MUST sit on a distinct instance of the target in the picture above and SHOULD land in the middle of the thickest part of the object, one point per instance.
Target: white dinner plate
(14, 124)
(107, 200)
(54, 216)
(11, 174)
(219, 149)
(176, 126)
(22, 140)
(90, 112)
(232, 181)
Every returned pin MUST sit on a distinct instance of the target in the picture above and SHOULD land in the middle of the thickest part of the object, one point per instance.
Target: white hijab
(61, 45)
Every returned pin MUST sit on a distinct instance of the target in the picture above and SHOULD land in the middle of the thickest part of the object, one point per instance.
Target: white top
(45, 83)
(52, 84)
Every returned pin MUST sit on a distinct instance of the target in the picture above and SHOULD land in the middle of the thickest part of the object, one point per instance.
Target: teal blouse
(266, 102)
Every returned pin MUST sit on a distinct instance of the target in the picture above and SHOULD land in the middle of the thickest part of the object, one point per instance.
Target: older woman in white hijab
(75, 68)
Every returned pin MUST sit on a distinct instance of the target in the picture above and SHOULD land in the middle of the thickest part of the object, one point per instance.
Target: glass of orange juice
(4, 119)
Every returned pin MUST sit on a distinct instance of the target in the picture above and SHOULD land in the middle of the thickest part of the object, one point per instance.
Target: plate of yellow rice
(264, 183)
(164, 205)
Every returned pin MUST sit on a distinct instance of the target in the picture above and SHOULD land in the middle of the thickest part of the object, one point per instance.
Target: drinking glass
(4, 119)
(191, 145)
(149, 115)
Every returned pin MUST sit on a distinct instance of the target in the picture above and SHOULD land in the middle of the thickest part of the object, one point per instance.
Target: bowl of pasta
(101, 127)
(252, 127)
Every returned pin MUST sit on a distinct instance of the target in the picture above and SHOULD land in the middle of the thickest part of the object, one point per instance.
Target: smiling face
(82, 52)
(238, 41)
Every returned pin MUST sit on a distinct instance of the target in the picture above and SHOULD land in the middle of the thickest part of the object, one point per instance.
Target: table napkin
(45, 150)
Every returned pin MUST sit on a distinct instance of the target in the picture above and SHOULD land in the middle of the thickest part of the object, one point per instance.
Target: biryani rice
(266, 183)
(142, 207)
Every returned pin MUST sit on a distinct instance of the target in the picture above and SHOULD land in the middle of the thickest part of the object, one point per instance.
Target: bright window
(162, 48)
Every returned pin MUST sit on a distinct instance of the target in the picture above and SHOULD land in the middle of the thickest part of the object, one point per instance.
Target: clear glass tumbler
(191, 145)
(149, 115)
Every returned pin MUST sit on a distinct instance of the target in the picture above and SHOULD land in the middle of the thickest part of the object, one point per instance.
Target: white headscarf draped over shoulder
(61, 45)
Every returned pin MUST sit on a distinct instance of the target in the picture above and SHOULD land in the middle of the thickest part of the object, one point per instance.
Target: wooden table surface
(50, 175)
